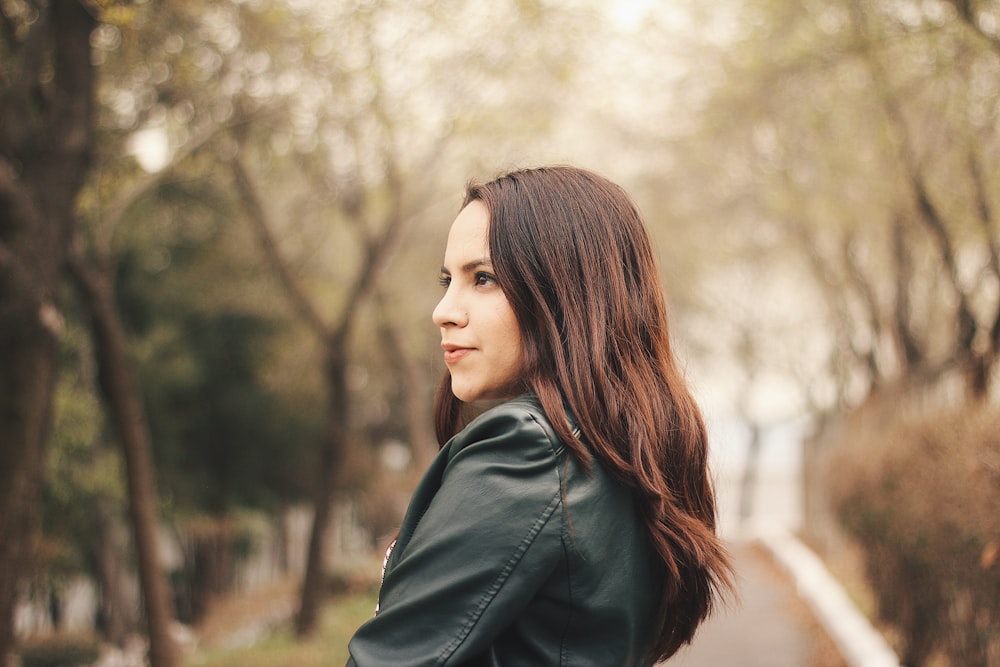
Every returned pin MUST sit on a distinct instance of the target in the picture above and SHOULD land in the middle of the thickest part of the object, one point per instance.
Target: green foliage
(60, 651)
(341, 617)
(205, 333)
(225, 439)
(83, 470)
(920, 497)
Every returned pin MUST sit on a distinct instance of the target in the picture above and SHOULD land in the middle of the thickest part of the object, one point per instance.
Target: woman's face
(479, 332)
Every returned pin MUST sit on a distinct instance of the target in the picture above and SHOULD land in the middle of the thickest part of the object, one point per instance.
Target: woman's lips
(453, 354)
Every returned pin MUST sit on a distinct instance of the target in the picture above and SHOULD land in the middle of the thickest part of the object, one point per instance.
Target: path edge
(860, 644)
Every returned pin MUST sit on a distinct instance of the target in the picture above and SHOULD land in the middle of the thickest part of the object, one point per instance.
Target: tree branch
(910, 349)
(23, 297)
(856, 277)
(116, 210)
(928, 213)
(73, 82)
(830, 284)
(262, 225)
(986, 222)
(985, 213)
(377, 248)
(419, 426)
(23, 93)
(123, 398)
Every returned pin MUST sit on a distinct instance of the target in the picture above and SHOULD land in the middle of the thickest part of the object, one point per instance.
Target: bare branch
(835, 299)
(934, 221)
(928, 212)
(909, 347)
(117, 209)
(376, 251)
(420, 428)
(856, 277)
(986, 222)
(985, 213)
(269, 246)
(377, 243)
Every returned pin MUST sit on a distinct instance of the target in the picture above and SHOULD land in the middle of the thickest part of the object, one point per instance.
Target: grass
(341, 617)
(267, 611)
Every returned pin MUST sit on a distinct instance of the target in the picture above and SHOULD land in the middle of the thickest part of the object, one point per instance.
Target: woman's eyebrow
(470, 266)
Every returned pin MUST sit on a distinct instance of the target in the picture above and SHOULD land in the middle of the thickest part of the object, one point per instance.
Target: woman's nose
(449, 311)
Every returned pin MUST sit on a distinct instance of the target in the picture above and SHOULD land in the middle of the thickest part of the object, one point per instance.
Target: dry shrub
(922, 498)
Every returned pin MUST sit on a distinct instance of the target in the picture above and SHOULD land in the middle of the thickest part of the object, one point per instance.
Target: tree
(156, 62)
(46, 100)
(49, 110)
(864, 153)
(91, 265)
(83, 491)
(947, 225)
(335, 124)
(123, 398)
(334, 340)
(124, 216)
(379, 130)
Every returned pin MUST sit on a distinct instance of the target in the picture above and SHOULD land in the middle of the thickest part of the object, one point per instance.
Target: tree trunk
(987, 223)
(934, 219)
(46, 106)
(748, 483)
(331, 454)
(377, 245)
(416, 391)
(211, 566)
(111, 606)
(27, 383)
(123, 399)
(910, 352)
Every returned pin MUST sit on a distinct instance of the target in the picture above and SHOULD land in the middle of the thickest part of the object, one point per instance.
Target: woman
(574, 522)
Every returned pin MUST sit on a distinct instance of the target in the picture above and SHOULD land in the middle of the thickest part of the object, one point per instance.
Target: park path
(768, 627)
(771, 624)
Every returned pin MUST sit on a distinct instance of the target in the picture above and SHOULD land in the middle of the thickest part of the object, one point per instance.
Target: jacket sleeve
(489, 538)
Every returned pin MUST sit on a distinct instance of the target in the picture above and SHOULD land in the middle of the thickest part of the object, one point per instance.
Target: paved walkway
(768, 627)
(774, 623)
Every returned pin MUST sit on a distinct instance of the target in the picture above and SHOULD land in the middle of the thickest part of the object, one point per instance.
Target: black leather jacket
(511, 554)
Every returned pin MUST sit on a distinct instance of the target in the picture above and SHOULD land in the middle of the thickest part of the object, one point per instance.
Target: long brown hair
(572, 255)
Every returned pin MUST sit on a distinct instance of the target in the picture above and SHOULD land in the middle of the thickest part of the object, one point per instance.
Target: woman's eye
(444, 281)
(484, 279)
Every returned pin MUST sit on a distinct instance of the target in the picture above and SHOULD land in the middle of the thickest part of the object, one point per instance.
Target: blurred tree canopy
(248, 170)
(250, 198)
(47, 115)
(855, 143)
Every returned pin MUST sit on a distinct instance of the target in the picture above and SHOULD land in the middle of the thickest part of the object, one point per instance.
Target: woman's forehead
(468, 240)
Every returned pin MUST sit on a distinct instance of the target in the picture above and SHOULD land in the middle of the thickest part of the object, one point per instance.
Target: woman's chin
(479, 395)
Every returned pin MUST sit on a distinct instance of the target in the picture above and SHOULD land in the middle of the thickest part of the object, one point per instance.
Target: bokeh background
(221, 224)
